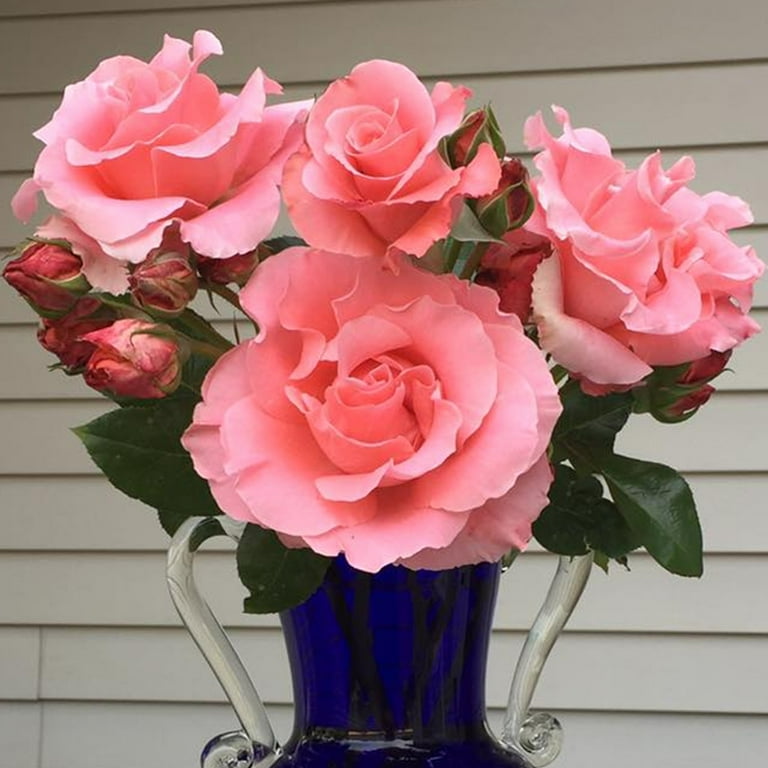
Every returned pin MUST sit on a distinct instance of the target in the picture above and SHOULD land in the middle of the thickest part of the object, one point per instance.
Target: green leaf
(578, 519)
(588, 423)
(139, 450)
(278, 578)
(610, 533)
(560, 527)
(658, 505)
(468, 229)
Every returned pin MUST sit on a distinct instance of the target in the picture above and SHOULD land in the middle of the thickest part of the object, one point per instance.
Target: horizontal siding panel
(737, 422)
(144, 735)
(20, 733)
(731, 170)
(20, 655)
(688, 447)
(13, 8)
(679, 106)
(591, 738)
(86, 513)
(29, 379)
(637, 672)
(473, 38)
(90, 590)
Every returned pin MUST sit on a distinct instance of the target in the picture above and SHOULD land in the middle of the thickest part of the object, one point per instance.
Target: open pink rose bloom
(370, 179)
(351, 425)
(139, 147)
(645, 273)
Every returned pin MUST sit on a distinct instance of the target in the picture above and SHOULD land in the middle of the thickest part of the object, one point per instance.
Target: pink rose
(134, 358)
(137, 147)
(392, 418)
(644, 272)
(370, 180)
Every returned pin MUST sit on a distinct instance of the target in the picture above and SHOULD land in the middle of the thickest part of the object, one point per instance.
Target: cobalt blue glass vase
(389, 669)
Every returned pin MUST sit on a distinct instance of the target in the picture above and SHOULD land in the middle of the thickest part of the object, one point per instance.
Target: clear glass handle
(256, 742)
(539, 737)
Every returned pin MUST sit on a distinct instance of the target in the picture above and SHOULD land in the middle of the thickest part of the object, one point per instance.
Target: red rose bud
(236, 269)
(63, 336)
(164, 283)
(479, 127)
(511, 204)
(509, 268)
(134, 358)
(705, 369)
(689, 404)
(48, 276)
(674, 394)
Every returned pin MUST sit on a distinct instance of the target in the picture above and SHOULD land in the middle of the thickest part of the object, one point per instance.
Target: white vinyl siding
(95, 671)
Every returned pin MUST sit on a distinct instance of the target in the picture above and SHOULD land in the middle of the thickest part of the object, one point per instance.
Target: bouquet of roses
(439, 364)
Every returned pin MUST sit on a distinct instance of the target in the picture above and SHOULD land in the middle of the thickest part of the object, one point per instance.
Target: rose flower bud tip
(134, 358)
(48, 276)
(164, 283)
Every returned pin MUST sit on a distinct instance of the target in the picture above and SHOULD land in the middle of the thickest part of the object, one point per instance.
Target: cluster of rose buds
(675, 393)
(121, 347)
(122, 356)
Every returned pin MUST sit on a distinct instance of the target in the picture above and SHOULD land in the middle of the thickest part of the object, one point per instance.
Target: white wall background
(95, 671)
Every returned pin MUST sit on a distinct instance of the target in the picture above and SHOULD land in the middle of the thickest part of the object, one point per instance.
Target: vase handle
(539, 737)
(255, 743)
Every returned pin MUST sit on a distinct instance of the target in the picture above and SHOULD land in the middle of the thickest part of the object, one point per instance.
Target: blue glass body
(389, 669)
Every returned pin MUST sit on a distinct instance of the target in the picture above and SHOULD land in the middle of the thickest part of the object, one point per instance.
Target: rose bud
(508, 268)
(134, 358)
(48, 276)
(63, 336)
(511, 204)
(705, 369)
(164, 282)
(236, 269)
(673, 394)
(479, 127)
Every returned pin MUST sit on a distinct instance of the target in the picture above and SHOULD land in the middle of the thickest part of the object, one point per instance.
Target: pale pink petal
(498, 527)
(24, 202)
(237, 225)
(574, 343)
(276, 467)
(379, 541)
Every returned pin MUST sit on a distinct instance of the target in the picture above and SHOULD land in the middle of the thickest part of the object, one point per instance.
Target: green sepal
(468, 229)
(658, 505)
(277, 577)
